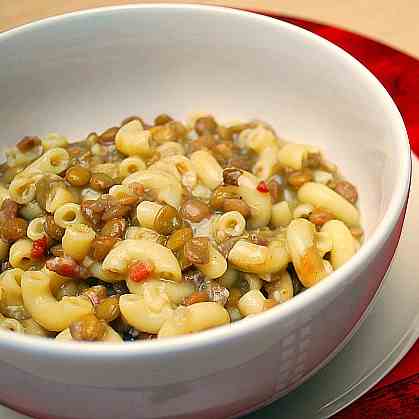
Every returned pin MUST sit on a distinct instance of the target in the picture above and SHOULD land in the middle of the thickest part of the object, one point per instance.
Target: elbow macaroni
(322, 196)
(258, 139)
(36, 229)
(304, 254)
(10, 282)
(343, 246)
(129, 251)
(147, 212)
(51, 314)
(230, 224)
(146, 312)
(293, 155)
(77, 240)
(266, 164)
(20, 254)
(250, 257)
(133, 140)
(168, 189)
(111, 229)
(194, 318)
(67, 215)
(260, 203)
(207, 168)
(216, 266)
(131, 165)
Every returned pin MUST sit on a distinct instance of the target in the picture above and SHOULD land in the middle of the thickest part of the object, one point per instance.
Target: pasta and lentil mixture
(150, 231)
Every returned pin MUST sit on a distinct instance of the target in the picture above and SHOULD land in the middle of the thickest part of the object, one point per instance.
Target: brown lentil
(167, 220)
(184, 262)
(27, 143)
(204, 141)
(313, 160)
(162, 119)
(221, 193)
(320, 216)
(347, 190)
(8, 210)
(194, 210)
(236, 204)
(14, 229)
(178, 238)
(88, 328)
(205, 124)
(108, 309)
(275, 189)
(101, 182)
(77, 176)
(128, 200)
(231, 176)
(96, 294)
(114, 228)
(116, 211)
(136, 188)
(90, 214)
(163, 133)
(101, 246)
(222, 152)
(108, 136)
(197, 250)
(299, 177)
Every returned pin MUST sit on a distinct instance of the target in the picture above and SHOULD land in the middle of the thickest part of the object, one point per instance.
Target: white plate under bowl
(388, 332)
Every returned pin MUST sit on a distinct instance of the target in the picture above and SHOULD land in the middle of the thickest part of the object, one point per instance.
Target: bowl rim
(216, 336)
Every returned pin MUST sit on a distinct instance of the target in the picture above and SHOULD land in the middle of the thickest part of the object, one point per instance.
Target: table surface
(393, 23)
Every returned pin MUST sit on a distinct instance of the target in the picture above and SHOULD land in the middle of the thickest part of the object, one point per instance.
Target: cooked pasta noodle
(154, 231)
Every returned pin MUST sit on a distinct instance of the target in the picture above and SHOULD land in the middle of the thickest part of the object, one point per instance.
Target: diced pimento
(262, 187)
(39, 247)
(140, 271)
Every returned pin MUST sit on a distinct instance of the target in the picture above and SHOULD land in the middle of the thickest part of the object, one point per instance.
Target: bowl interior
(88, 71)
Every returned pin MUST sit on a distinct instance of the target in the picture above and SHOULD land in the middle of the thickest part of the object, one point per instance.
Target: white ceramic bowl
(88, 70)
